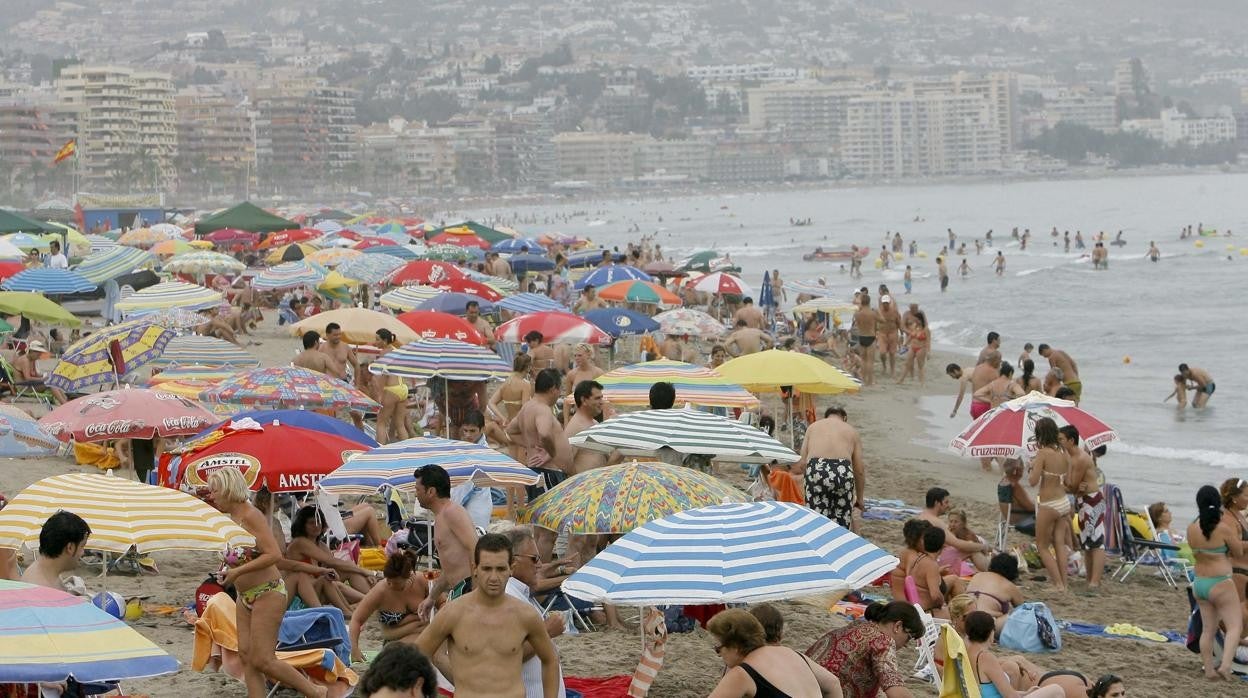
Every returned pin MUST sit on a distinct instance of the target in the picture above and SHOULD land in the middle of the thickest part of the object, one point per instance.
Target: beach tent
(245, 216)
(11, 222)
(486, 233)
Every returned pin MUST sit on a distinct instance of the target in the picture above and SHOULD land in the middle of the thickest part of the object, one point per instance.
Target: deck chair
(1149, 551)
(578, 616)
(958, 679)
(29, 390)
(926, 669)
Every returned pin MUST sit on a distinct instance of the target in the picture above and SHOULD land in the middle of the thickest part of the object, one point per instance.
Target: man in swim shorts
(549, 452)
(1203, 381)
(865, 321)
(1060, 360)
(453, 536)
(833, 468)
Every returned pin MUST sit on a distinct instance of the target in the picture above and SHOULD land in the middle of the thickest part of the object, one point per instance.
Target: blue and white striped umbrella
(395, 464)
(399, 251)
(49, 281)
(685, 431)
(114, 262)
(518, 245)
(731, 553)
(370, 268)
(290, 275)
(99, 243)
(194, 350)
(608, 275)
(525, 303)
(813, 288)
(449, 358)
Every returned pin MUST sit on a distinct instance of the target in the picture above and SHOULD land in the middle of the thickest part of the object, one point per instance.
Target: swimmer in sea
(1153, 254)
(1204, 386)
(964, 269)
(999, 263)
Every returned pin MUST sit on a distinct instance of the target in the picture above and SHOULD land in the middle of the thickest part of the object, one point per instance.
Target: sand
(897, 468)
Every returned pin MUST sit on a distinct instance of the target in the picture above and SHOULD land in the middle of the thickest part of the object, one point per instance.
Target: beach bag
(1031, 628)
(207, 590)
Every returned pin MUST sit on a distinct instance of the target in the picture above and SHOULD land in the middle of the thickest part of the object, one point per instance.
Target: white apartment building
(803, 111)
(1174, 128)
(1081, 107)
(601, 158)
(734, 72)
(1000, 89)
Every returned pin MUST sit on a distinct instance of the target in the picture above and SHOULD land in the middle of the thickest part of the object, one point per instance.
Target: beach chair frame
(1136, 550)
(925, 668)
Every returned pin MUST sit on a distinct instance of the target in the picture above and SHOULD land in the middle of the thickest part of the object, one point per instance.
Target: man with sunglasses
(525, 570)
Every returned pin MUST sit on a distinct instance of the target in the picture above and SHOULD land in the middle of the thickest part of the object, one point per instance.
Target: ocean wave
(1218, 459)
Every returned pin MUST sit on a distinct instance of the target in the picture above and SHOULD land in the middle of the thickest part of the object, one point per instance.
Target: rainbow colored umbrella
(167, 295)
(448, 358)
(48, 635)
(204, 262)
(407, 298)
(695, 385)
(370, 268)
(290, 275)
(395, 464)
(87, 363)
(289, 386)
(619, 498)
(689, 321)
(333, 256)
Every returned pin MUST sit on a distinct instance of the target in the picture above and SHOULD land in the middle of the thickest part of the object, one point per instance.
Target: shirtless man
(670, 349)
(588, 301)
(889, 333)
(1084, 482)
(214, 326)
(865, 320)
(583, 369)
(777, 288)
(543, 354)
(26, 365)
(549, 452)
(994, 344)
(1204, 383)
(499, 267)
(589, 412)
(832, 465)
(340, 353)
(486, 631)
(453, 534)
(747, 340)
(62, 541)
(750, 313)
(1059, 359)
(955, 372)
(312, 358)
(936, 505)
(472, 315)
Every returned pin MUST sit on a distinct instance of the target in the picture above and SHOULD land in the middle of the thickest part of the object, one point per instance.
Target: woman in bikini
(306, 545)
(995, 591)
(1000, 389)
(511, 396)
(1028, 381)
(1049, 468)
(992, 678)
(919, 569)
(1234, 501)
(393, 392)
(261, 592)
(1215, 542)
(395, 602)
(918, 342)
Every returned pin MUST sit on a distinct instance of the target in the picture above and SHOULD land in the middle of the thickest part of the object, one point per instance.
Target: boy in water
(906, 281)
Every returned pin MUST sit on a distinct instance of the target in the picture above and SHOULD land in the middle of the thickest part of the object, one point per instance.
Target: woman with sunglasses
(395, 602)
(307, 545)
(758, 670)
(863, 655)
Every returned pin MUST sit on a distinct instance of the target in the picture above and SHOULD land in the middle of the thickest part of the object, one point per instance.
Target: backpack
(1031, 628)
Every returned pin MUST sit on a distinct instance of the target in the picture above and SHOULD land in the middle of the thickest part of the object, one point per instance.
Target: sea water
(1128, 328)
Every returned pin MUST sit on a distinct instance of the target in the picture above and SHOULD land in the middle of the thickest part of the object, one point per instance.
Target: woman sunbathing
(395, 602)
(995, 591)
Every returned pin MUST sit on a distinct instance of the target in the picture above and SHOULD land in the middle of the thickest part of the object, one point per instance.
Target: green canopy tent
(486, 233)
(11, 222)
(245, 216)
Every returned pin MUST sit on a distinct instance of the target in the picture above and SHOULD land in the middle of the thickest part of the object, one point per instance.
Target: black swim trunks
(866, 340)
(830, 488)
(550, 478)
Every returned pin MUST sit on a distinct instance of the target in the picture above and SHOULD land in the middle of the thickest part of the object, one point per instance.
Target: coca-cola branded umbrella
(1008, 431)
(425, 272)
(473, 288)
(134, 413)
(434, 325)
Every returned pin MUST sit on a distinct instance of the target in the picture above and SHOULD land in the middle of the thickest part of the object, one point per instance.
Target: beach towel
(598, 686)
(959, 679)
(101, 457)
(785, 488)
(655, 646)
(314, 627)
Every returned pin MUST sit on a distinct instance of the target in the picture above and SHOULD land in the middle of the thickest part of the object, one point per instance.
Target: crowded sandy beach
(365, 453)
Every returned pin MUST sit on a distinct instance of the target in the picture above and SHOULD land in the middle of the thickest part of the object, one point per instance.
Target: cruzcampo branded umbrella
(408, 297)
(769, 371)
(114, 262)
(47, 635)
(48, 281)
(555, 328)
(637, 291)
(685, 431)
(730, 553)
(695, 385)
(22, 437)
(359, 325)
(167, 295)
(721, 282)
(87, 362)
(695, 323)
(1008, 431)
(204, 262)
(209, 352)
(448, 358)
(35, 307)
(289, 275)
(121, 513)
(289, 386)
(603, 276)
(133, 413)
(619, 498)
(619, 322)
(395, 464)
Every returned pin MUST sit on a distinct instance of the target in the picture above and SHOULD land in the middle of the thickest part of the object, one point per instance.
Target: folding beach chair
(1148, 551)
(29, 390)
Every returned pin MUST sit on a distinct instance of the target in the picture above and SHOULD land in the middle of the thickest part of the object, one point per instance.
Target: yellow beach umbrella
(36, 307)
(200, 244)
(171, 247)
(767, 371)
(359, 325)
(285, 254)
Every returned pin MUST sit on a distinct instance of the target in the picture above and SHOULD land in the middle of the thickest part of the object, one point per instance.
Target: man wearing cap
(28, 374)
(888, 329)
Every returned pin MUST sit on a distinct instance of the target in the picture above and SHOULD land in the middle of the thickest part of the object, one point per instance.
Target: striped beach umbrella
(525, 303)
(191, 373)
(52, 282)
(22, 437)
(369, 268)
(122, 513)
(695, 385)
(448, 358)
(289, 386)
(498, 283)
(114, 262)
(603, 276)
(142, 237)
(812, 288)
(555, 327)
(684, 431)
(47, 635)
(210, 352)
(731, 553)
(289, 275)
(167, 295)
(87, 362)
(619, 498)
(333, 256)
(395, 464)
(407, 298)
(99, 243)
(399, 251)
(204, 262)
(637, 291)
(722, 282)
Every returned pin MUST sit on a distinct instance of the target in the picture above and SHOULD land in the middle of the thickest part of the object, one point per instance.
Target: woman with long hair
(1214, 542)
(1049, 468)
(1028, 381)
(863, 655)
(507, 400)
(307, 545)
(392, 392)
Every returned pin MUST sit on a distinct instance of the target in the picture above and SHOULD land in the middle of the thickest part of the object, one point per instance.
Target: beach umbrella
(454, 303)
(88, 362)
(53, 282)
(695, 385)
(373, 241)
(232, 236)
(204, 262)
(359, 325)
(9, 252)
(408, 297)
(687, 321)
(48, 635)
(190, 374)
(555, 328)
(530, 263)
(262, 453)
(460, 237)
(619, 498)
(519, 246)
(26, 242)
(398, 251)
(282, 238)
(721, 282)
(333, 256)
(289, 253)
(394, 465)
(200, 244)
(452, 359)
(810, 288)
(122, 514)
(304, 419)
(99, 243)
(706, 261)
(523, 303)
(661, 270)
(1008, 431)
(619, 322)
(328, 226)
(114, 262)
(289, 386)
(768, 371)
(167, 248)
(603, 276)
(174, 318)
(685, 431)
(168, 229)
(432, 324)
(209, 352)
(289, 275)
(505, 286)
(133, 413)
(825, 304)
(8, 269)
(369, 268)
(167, 295)
(450, 253)
(35, 307)
(767, 298)
(142, 237)
(425, 272)
(589, 258)
(22, 437)
(731, 553)
(468, 286)
(635, 291)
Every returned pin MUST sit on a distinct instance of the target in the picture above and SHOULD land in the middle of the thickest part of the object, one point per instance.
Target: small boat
(822, 255)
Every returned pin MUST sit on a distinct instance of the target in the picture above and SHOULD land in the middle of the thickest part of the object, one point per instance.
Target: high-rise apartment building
(305, 136)
(216, 143)
(811, 113)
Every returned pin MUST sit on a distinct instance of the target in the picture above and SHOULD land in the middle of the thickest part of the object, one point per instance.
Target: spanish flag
(66, 151)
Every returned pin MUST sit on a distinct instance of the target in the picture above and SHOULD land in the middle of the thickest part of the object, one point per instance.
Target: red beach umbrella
(368, 242)
(133, 413)
(554, 326)
(430, 324)
(1008, 431)
(469, 286)
(425, 272)
(286, 237)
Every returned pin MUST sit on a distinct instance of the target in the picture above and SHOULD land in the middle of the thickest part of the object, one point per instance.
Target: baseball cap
(886, 299)
(36, 346)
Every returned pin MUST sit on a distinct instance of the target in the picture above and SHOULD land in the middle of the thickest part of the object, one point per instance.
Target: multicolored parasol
(695, 385)
(395, 464)
(449, 358)
(169, 294)
(290, 386)
(695, 323)
(290, 275)
(194, 350)
(637, 291)
(114, 262)
(142, 237)
(523, 303)
(204, 262)
(87, 362)
(333, 256)
(604, 276)
(722, 282)
(407, 297)
(369, 268)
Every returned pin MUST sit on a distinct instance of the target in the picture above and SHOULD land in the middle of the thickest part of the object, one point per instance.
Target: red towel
(785, 488)
(599, 686)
